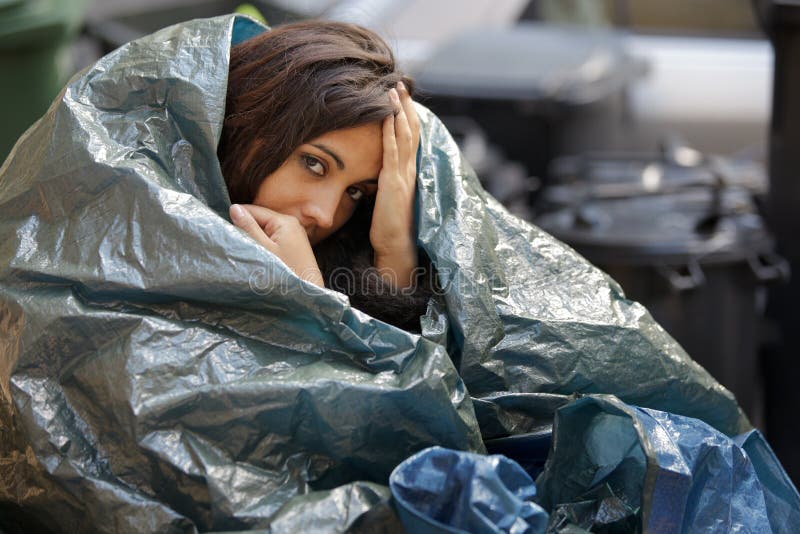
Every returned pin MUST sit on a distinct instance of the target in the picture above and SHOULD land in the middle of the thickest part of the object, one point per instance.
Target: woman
(145, 387)
(319, 150)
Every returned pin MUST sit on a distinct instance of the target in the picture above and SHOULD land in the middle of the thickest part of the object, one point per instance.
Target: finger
(262, 215)
(243, 219)
(404, 137)
(270, 221)
(413, 125)
(411, 112)
(389, 146)
(401, 126)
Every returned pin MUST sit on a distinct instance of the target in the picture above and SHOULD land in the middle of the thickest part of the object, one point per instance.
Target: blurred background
(659, 139)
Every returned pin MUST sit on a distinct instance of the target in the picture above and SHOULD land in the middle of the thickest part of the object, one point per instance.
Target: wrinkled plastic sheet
(159, 370)
(445, 491)
(623, 468)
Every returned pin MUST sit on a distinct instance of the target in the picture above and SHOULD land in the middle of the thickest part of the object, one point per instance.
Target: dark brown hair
(294, 83)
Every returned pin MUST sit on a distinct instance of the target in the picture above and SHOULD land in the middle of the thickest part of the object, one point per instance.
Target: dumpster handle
(680, 282)
(769, 267)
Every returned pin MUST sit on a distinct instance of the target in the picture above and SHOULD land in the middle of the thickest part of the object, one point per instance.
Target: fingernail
(401, 86)
(394, 96)
(237, 212)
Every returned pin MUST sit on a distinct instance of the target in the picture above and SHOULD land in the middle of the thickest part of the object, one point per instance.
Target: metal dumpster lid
(697, 223)
(530, 61)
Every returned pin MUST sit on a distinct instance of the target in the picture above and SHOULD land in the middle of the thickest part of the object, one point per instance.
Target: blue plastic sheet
(616, 466)
(780, 495)
(445, 491)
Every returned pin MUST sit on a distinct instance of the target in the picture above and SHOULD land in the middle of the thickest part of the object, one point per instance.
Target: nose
(321, 209)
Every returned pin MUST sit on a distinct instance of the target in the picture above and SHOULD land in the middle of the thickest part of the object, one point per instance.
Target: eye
(313, 164)
(355, 193)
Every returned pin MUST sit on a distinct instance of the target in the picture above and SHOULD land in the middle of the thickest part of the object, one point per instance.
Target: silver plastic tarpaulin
(160, 371)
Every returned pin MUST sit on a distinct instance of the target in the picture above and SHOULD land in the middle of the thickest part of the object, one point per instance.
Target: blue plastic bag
(440, 490)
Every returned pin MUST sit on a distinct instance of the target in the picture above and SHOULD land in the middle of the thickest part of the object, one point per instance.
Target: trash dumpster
(781, 21)
(687, 241)
(34, 59)
(536, 90)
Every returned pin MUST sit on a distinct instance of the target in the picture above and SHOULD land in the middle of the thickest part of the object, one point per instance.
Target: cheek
(265, 199)
(274, 194)
(342, 216)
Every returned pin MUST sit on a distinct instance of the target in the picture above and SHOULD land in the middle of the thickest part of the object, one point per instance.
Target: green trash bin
(35, 60)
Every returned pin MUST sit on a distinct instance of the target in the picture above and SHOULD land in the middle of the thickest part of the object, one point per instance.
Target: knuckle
(247, 224)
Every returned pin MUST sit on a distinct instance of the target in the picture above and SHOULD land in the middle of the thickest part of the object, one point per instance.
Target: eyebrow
(331, 153)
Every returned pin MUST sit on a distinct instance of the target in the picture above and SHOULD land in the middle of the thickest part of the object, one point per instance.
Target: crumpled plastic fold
(159, 370)
(618, 467)
(444, 491)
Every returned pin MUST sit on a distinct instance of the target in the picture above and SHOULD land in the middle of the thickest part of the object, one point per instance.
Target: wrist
(399, 248)
(396, 267)
(314, 276)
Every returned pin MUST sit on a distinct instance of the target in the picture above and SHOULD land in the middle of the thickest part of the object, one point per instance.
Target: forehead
(360, 148)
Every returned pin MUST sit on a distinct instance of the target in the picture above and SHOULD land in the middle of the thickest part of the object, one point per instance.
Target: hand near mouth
(283, 235)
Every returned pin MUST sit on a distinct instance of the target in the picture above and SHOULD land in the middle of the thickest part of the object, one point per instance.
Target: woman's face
(322, 181)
